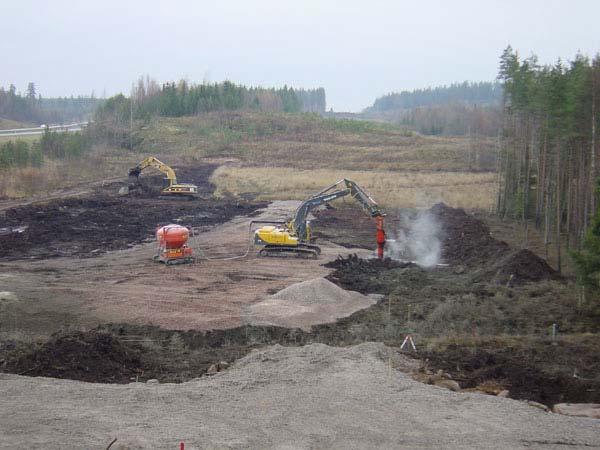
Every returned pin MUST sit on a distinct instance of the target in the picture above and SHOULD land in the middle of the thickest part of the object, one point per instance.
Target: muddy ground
(101, 222)
(484, 318)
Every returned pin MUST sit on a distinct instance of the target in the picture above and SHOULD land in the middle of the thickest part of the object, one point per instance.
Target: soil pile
(85, 356)
(522, 267)
(361, 275)
(466, 240)
(308, 303)
(515, 369)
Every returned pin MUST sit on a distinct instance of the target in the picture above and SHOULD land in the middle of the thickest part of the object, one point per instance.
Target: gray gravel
(308, 303)
(281, 398)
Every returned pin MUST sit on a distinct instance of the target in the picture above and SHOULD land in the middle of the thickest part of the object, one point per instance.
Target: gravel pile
(281, 398)
(308, 303)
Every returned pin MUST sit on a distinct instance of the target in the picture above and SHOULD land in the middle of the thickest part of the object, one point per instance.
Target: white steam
(417, 238)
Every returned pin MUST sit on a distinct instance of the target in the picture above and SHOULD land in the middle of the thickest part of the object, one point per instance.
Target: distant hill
(459, 109)
(482, 93)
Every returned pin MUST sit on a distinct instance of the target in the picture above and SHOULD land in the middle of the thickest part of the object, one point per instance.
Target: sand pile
(308, 303)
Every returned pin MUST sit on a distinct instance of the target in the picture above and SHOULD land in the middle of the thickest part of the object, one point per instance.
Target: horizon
(356, 54)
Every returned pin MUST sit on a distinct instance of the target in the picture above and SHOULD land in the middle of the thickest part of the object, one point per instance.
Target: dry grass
(102, 163)
(292, 156)
(309, 142)
(391, 189)
(7, 124)
(29, 138)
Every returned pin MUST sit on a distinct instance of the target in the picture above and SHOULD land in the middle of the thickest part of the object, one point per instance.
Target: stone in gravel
(152, 381)
(448, 384)
(212, 370)
(578, 409)
(538, 405)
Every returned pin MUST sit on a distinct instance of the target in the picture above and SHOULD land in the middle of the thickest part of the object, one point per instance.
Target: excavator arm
(154, 162)
(174, 189)
(344, 187)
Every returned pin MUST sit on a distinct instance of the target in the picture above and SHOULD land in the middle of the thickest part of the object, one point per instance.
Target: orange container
(172, 236)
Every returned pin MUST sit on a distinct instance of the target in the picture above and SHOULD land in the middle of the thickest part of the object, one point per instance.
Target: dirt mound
(519, 368)
(85, 356)
(523, 266)
(357, 274)
(318, 290)
(466, 240)
(308, 303)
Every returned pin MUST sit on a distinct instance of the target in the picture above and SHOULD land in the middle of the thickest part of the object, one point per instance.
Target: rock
(538, 405)
(490, 387)
(459, 269)
(421, 377)
(7, 296)
(578, 409)
(152, 381)
(212, 370)
(448, 384)
(124, 190)
(223, 365)
(504, 393)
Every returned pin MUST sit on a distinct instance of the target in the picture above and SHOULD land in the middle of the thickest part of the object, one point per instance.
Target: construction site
(146, 314)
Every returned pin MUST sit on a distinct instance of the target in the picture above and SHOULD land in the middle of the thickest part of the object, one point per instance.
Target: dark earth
(89, 226)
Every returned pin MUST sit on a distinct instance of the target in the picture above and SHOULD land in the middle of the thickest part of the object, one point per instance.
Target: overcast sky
(356, 50)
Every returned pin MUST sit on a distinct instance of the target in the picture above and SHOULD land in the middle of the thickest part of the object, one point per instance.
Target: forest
(184, 99)
(469, 93)
(461, 109)
(34, 109)
(548, 163)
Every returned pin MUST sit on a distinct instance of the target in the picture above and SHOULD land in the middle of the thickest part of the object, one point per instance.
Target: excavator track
(306, 251)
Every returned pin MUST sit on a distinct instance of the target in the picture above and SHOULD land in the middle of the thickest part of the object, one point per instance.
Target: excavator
(292, 238)
(173, 189)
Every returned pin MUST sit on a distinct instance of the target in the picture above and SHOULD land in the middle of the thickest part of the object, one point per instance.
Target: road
(40, 130)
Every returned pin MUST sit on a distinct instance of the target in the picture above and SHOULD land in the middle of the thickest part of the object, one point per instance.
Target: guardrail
(39, 130)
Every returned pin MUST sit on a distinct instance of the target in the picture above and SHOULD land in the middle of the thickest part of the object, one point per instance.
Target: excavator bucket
(134, 174)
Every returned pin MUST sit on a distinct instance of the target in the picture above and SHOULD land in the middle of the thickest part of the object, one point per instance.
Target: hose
(200, 252)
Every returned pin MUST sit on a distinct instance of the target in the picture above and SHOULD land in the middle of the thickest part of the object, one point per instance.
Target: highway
(40, 130)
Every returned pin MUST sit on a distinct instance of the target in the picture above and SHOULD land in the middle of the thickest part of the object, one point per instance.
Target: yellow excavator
(292, 238)
(173, 188)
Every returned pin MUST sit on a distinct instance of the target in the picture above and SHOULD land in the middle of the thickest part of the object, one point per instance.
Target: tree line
(466, 93)
(52, 145)
(548, 162)
(185, 99)
(461, 109)
(31, 107)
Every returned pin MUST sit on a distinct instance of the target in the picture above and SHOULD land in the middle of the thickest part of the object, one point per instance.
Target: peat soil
(104, 221)
(482, 321)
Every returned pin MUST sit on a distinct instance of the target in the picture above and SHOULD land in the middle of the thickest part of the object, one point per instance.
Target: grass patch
(8, 124)
(392, 189)
(29, 138)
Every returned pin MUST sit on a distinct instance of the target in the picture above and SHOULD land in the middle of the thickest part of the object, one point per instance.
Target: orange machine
(172, 247)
